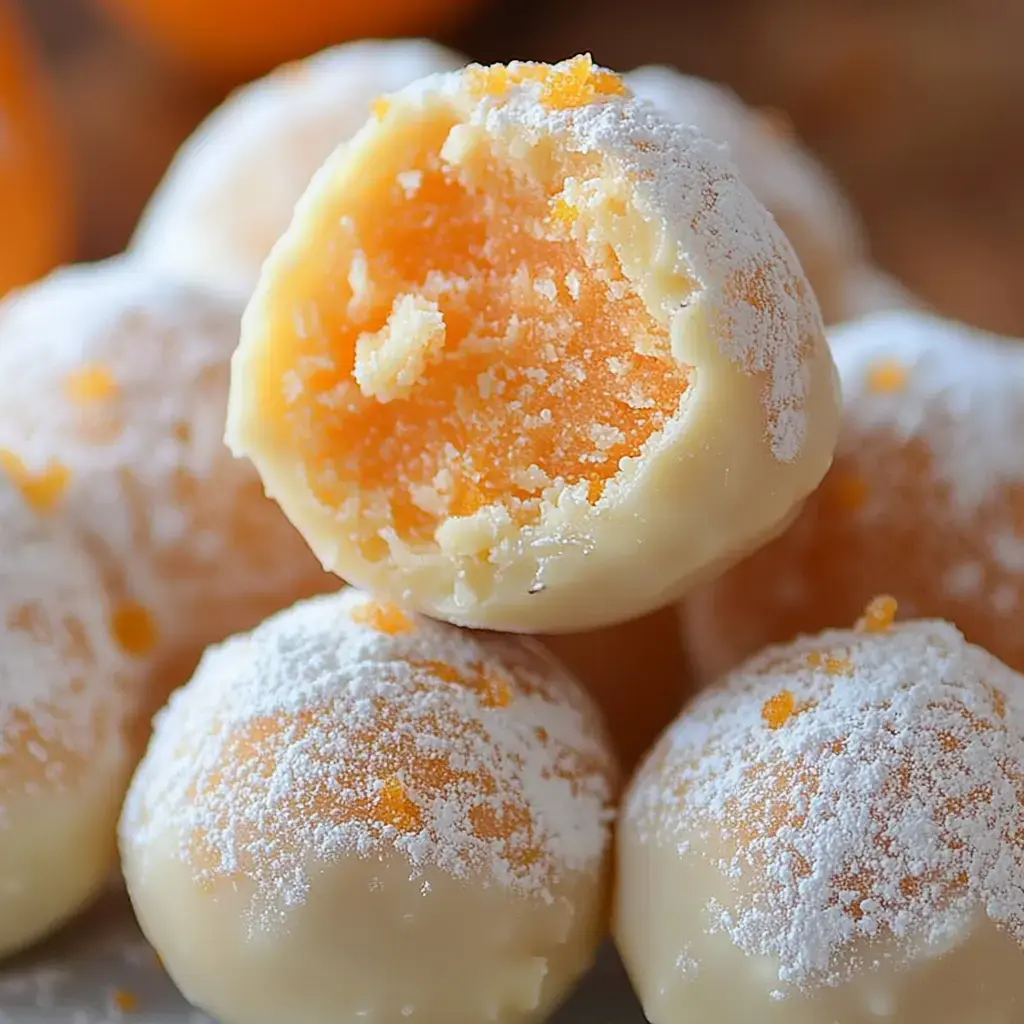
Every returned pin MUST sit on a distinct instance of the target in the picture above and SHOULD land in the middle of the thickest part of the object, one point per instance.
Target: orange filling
(778, 710)
(91, 384)
(879, 615)
(454, 340)
(384, 617)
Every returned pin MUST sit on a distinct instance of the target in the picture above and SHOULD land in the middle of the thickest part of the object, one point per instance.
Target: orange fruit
(238, 39)
(35, 192)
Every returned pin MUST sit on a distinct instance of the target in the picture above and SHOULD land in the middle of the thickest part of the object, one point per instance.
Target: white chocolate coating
(65, 702)
(751, 436)
(352, 815)
(831, 833)
(176, 524)
(229, 193)
(799, 192)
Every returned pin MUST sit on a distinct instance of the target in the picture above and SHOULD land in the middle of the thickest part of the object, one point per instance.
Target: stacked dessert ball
(532, 370)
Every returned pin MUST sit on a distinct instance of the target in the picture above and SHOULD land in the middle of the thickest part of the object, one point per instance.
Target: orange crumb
(41, 490)
(573, 83)
(395, 807)
(563, 211)
(576, 83)
(125, 1001)
(879, 615)
(383, 616)
(134, 629)
(91, 384)
(778, 710)
(887, 377)
(381, 106)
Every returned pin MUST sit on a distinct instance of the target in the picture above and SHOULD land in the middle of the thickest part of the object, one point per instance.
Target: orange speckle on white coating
(879, 615)
(124, 1001)
(778, 709)
(91, 384)
(42, 490)
(887, 376)
(134, 629)
(394, 807)
(384, 616)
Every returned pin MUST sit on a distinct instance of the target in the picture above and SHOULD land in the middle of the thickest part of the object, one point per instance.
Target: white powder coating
(229, 192)
(274, 761)
(962, 397)
(63, 685)
(719, 251)
(886, 805)
(174, 521)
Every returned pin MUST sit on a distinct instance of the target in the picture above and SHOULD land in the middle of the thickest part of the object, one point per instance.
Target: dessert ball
(113, 385)
(925, 501)
(808, 205)
(637, 673)
(832, 833)
(230, 192)
(35, 193)
(417, 389)
(355, 814)
(65, 701)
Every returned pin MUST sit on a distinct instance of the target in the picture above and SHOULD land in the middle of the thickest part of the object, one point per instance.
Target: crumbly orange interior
(459, 340)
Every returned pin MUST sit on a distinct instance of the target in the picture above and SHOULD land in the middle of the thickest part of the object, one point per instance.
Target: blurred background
(915, 105)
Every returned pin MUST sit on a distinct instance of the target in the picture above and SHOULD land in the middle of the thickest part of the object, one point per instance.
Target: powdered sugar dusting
(61, 693)
(151, 489)
(325, 734)
(855, 785)
(750, 286)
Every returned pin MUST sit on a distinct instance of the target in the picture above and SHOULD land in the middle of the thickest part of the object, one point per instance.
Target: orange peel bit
(383, 616)
(134, 629)
(91, 384)
(778, 710)
(830, 663)
(888, 376)
(879, 615)
(395, 807)
(43, 490)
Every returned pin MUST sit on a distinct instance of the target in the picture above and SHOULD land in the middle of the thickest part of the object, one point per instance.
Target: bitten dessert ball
(808, 205)
(833, 833)
(36, 221)
(230, 192)
(530, 358)
(357, 814)
(113, 386)
(65, 702)
(925, 501)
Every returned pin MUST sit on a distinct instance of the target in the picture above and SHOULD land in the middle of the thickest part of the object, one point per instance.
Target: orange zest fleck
(879, 615)
(887, 377)
(125, 1001)
(134, 629)
(42, 490)
(778, 710)
(572, 83)
(91, 384)
(394, 807)
(830, 663)
(383, 616)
